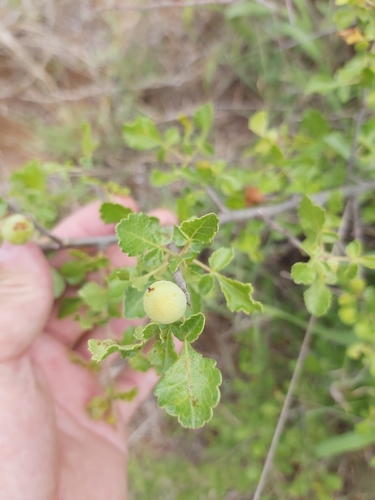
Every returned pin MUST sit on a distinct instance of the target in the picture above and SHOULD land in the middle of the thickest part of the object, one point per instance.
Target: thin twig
(166, 4)
(290, 10)
(295, 242)
(358, 126)
(285, 410)
(230, 216)
(215, 198)
(276, 209)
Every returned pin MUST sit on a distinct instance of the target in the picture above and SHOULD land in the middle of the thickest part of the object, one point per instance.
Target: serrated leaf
(238, 295)
(153, 257)
(189, 390)
(142, 134)
(111, 213)
(101, 349)
(312, 218)
(191, 328)
(94, 296)
(206, 283)
(317, 299)
(200, 230)
(152, 330)
(302, 273)
(163, 353)
(69, 305)
(137, 233)
(258, 123)
(221, 258)
(354, 249)
(178, 237)
(133, 303)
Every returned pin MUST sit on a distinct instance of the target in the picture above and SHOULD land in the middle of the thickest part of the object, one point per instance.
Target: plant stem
(285, 410)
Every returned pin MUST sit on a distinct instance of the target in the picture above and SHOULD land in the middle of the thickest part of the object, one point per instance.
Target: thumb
(26, 297)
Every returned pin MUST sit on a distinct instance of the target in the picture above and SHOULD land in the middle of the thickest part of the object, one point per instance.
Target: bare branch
(285, 410)
(293, 202)
(167, 4)
(179, 279)
(215, 198)
(288, 235)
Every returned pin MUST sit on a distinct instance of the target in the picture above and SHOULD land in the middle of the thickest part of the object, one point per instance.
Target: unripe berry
(17, 229)
(164, 302)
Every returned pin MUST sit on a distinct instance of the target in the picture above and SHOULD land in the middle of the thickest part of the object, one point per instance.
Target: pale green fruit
(17, 229)
(164, 302)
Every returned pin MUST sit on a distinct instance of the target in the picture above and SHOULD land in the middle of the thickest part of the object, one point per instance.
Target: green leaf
(206, 283)
(3, 207)
(191, 328)
(354, 249)
(258, 123)
(339, 144)
(127, 395)
(178, 237)
(142, 134)
(137, 234)
(203, 118)
(367, 261)
(302, 273)
(172, 136)
(31, 176)
(312, 218)
(140, 363)
(221, 258)
(189, 390)
(152, 330)
(58, 282)
(345, 443)
(163, 353)
(73, 271)
(69, 305)
(88, 144)
(315, 124)
(111, 213)
(201, 230)
(153, 257)
(94, 296)
(101, 349)
(238, 295)
(133, 303)
(320, 84)
(317, 299)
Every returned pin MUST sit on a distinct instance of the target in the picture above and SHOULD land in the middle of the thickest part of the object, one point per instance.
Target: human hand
(50, 448)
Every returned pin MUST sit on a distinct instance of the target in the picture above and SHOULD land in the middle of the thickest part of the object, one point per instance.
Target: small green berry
(17, 229)
(164, 302)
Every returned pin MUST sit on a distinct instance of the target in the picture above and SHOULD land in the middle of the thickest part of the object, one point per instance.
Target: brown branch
(293, 202)
(167, 4)
(279, 229)
(285, 410)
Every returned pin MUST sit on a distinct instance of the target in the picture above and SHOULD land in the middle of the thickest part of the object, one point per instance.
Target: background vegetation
(291, 85)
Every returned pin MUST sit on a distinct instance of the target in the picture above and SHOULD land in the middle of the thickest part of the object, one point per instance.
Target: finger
(26, 297)
(85, 222)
